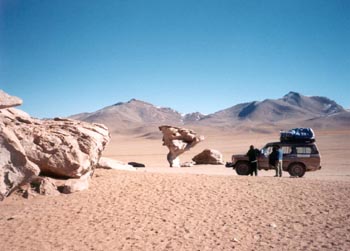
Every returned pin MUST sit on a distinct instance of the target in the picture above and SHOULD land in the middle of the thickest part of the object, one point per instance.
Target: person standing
(279, 161)
(273, 158)
(252, 156)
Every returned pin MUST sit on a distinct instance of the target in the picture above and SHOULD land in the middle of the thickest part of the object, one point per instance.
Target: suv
(298, 158)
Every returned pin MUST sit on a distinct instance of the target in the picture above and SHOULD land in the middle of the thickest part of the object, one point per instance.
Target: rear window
(285, 149)
(303, 150)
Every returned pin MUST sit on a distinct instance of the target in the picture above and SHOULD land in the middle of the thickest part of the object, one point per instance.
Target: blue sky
(64, 57)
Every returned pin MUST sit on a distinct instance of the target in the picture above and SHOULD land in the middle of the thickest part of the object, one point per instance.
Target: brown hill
(339, 120)
(134, 116)
(293, 106)
(293, 110)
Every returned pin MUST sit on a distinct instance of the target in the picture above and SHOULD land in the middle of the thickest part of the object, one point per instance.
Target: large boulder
(178, 140)
(209, 156)
(15, 168)
(61, 148)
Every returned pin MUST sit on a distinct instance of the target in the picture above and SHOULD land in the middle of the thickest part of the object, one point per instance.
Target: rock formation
(209, 156)
(178, 140)
(15, 167)
(7, 101)
(62, 148)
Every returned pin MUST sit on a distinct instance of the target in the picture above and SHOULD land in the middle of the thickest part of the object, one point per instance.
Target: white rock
(108, 163)
(188, 164)
(7, 101)
(77, 185)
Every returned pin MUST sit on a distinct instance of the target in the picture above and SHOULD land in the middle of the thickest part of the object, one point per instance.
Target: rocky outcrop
(7, 101)
(15, 168)
(209, 156)
(178, 140)
(61, 148)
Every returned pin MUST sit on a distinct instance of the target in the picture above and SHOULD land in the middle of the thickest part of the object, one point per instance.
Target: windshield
(263, 151)
(266, 150)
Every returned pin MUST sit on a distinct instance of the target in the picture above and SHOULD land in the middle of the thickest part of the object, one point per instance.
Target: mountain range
(292, 110)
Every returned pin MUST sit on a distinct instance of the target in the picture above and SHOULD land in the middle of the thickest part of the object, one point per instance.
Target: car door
(264, 157)
(288, 156)
(308, 155)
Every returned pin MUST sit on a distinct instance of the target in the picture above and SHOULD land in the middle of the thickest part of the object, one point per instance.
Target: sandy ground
(197, 208)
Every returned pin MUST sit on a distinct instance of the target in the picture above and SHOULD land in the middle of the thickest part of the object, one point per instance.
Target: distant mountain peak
(137, 101)
(292, 96)
(132, 101)
(191, 117)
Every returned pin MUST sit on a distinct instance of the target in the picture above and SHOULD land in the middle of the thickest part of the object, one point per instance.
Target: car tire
(297, 170)
(243, 168)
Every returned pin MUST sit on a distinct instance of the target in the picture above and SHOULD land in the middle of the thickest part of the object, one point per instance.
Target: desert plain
(204, 207)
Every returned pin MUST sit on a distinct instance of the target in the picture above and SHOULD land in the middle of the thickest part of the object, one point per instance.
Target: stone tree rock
(209, 156)
(178, 140)
(62, 148)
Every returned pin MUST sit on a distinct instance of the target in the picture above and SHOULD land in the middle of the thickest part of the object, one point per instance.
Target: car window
(267, 150)
(286, 149)
(303, 149)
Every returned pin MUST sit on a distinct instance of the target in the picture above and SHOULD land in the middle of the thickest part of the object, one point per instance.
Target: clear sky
(64, 57)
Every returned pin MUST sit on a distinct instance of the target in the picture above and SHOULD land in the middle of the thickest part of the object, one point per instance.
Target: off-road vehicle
(298, 158)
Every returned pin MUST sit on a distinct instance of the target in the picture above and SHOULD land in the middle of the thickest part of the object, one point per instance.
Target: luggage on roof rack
(298, 135)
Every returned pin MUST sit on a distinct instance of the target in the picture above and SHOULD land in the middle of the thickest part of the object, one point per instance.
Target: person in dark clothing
(252, 156)
(273, 159)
